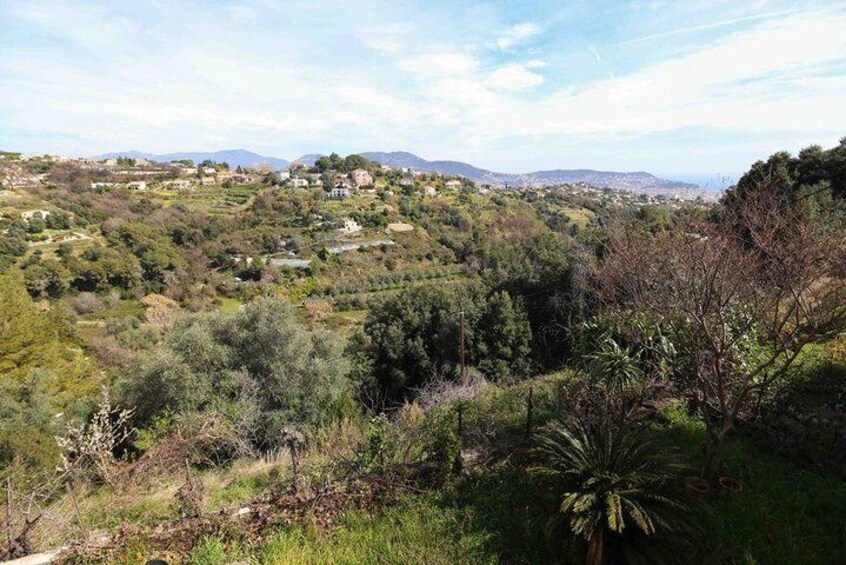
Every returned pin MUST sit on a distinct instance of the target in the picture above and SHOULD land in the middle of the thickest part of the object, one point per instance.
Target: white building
(283, 175)
(207, 181)
(299, 183)
(30, 214)
(453, 184)
(339, 193)
(350, 226)
(179, 184)
(137, 185)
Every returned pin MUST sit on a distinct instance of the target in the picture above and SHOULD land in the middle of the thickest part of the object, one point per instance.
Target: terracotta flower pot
(730, 484)
(697, 487)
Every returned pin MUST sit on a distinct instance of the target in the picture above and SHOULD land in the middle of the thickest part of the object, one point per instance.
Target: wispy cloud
(703, 27)
(595, 52)
(517, 34)
(438, 64)
(118, 76)
(514, 77)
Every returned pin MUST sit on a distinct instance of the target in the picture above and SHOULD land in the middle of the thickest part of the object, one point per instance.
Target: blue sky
(669, 87)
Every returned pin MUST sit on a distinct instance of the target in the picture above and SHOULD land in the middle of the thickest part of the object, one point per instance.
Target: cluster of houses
(296, 176)
(141, 174)
(605, 195)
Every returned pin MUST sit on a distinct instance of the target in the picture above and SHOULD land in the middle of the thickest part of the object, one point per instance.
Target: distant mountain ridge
(637, 181)
(235, 157)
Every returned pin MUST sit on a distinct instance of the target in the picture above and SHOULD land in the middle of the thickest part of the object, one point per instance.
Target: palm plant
(621, 498)
(617, 368)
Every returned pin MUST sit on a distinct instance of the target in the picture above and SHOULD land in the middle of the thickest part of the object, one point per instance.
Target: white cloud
(744, 82)
(513, 77)
(438, 64)
(288, 90)
(517, 34)
(388, 38)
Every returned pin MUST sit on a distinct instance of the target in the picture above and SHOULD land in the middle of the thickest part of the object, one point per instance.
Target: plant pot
(730, 484)
(697, 487)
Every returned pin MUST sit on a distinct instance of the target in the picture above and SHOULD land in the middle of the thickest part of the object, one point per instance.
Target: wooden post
(457, 464)
(294, 459)
(530, 405)
(462, 379)
(9, 513)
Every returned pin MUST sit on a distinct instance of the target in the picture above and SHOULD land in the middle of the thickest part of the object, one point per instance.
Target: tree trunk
(596, 547)
(714, 450)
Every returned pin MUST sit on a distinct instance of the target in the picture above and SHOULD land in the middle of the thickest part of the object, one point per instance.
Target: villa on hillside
(350, 227)
(179, 184)
(339, 193)
(360, 177)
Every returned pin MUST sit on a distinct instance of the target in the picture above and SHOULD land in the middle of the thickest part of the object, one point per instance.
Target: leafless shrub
(110, 354)
(188, 499)
(87, 449)
(742, 296)
(161, 310)
(85, 303)
(203, 440)
(441, 392)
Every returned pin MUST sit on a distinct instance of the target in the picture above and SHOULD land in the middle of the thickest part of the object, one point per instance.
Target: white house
(95, 185)
(350, 226)
(429, 191)
(179, 184)
(209, 170)
(339, 193)
(453, 184)
(30, 214)
(283, 175)
(298, 183)
(137, 185)
(207, 181)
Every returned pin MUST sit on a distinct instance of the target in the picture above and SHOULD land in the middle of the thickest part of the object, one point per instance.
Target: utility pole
(462, 379)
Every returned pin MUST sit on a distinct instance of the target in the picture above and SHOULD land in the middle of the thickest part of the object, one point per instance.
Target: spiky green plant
(617, 368)
(620, 492)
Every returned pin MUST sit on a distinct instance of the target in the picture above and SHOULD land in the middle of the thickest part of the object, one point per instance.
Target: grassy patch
(213, 551)
(120, 309)
(415, 531)
(783, 515)
(230, 305)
